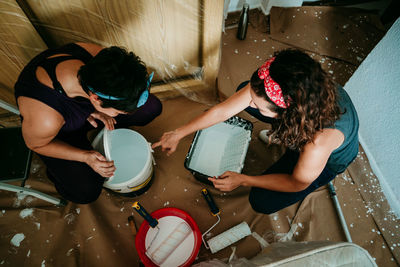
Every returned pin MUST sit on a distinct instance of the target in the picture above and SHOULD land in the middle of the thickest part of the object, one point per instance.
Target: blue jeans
(268, 201)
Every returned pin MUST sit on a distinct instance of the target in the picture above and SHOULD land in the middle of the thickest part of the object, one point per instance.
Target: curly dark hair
(310, 93)
(115, 72)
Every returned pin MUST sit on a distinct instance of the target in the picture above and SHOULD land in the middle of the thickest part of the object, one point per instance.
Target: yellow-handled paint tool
(214, 211)
(162, 245)
(152, 221)
(228, 237)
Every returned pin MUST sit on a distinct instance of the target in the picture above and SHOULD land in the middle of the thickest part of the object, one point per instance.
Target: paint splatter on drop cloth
(17, 239)
(25, 213)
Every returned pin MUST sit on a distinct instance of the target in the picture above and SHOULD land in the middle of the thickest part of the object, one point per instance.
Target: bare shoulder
(41, 123)
(329, 138)
(324, 143)
(315, 155)
(93, 49)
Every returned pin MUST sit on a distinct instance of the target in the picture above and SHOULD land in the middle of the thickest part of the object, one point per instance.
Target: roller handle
(210, 201)
(139, 208)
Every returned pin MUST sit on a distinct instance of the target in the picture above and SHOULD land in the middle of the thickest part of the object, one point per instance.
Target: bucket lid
(107, 143)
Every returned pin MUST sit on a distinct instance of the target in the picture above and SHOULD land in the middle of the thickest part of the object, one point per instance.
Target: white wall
(375, 91)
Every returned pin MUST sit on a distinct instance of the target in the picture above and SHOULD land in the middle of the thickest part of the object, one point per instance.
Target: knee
(82, 193)
(149, 111)
(155, 106)
(86, 196)
(260, 203)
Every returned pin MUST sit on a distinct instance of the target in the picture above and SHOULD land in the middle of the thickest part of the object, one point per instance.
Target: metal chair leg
(332, 192)
(32, 192)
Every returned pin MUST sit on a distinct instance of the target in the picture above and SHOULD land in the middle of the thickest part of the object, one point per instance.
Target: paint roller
(162, 249)
(228, 237)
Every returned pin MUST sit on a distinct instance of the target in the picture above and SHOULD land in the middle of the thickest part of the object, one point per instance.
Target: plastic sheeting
(36, 233)
(19, 42)
(178, 40)
(311, 254)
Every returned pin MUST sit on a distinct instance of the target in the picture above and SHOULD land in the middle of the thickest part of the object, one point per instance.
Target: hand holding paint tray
(167, 237)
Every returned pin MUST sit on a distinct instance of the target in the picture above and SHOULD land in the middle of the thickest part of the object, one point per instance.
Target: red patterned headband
(273, 90)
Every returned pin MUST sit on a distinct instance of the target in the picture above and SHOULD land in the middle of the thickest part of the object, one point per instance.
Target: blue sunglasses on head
(142, 98)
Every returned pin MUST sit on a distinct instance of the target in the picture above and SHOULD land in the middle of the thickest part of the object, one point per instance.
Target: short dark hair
(115, 72)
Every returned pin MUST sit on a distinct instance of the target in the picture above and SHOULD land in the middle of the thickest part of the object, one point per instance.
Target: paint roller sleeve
(158, 254)
(229, 237)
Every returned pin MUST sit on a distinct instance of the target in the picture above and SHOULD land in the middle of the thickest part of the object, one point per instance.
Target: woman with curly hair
(312, 117)
(63, 93)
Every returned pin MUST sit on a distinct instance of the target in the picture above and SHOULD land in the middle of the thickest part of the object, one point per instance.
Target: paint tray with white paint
(219, 148)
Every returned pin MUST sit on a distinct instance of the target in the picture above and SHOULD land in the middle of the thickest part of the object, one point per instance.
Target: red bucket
(185, 253)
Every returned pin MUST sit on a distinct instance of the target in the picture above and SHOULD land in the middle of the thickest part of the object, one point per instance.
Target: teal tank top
(348, 125)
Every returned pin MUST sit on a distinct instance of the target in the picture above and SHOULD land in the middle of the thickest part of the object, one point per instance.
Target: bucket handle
(151, 153)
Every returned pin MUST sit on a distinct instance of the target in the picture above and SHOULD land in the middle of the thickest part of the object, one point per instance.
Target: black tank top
(75, 110)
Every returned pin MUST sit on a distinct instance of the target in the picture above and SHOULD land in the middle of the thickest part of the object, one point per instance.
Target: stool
(15, 161)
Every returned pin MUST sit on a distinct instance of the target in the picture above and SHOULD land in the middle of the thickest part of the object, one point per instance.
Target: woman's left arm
(312, 161)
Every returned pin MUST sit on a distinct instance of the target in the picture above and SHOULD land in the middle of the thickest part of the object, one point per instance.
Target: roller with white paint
(158, 254)
(167, 237)
(229, 237)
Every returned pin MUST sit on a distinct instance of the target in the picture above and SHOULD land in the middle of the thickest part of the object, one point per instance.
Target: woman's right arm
(221, 112)
(40, 129)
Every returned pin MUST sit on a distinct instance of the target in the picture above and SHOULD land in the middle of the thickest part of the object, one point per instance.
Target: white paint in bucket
(132, 158)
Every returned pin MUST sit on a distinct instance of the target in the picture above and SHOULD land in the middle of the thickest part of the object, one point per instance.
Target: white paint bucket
(132, 156)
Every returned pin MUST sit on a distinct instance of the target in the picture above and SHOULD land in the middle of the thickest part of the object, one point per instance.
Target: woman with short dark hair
(312, 117)
(63, 93)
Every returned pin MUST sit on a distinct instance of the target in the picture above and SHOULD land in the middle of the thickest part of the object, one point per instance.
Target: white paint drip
(69, 252)
(289, 235)
(78, 210)
(289, 220)
(43, 263)
(29, 254)
(17, 239)
(37, 225)
(262, 241)
(25, 213)
(20, 197)
(232, 256)
(69, 218)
